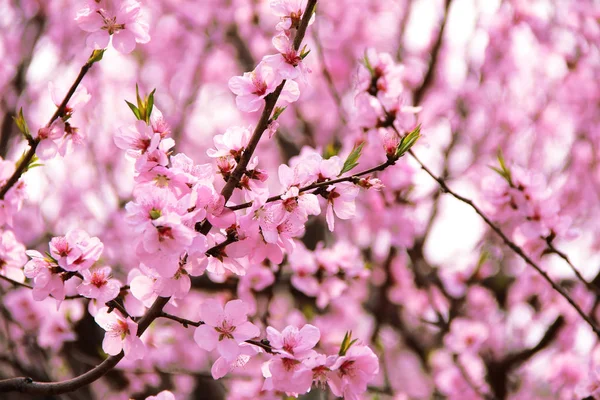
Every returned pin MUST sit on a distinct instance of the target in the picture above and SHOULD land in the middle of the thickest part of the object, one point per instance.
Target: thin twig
(509, 243)
(469, 380)
(265, 118)
(319, 185)
(24, 164)
(435, 52)
(185, 322)
(565, 257)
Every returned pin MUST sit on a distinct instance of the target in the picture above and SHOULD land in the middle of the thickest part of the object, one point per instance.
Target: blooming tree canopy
(300, 199)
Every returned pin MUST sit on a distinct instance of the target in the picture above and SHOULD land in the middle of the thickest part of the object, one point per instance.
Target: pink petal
(235, 312)
(112, 344)
(124, 41)
(246, 331)
(228, 349)
(98, 40)
(212, 313)
(206, 337)
(134, 348)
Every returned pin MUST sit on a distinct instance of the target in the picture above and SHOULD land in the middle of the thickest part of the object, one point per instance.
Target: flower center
(225, 331)
(110, 24)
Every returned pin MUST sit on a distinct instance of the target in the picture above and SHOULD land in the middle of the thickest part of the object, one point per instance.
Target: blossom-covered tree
(299, 199)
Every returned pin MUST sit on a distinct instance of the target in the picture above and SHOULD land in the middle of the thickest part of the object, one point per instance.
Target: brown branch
(27, 385)
(16, 283)
(435, 52)
(22, 167)
(38, 23)
(319, 185)
(185, 322)
(515, 248)
(265, 118)
(264, 344)
(591, 286)
(469, 380)
(329, 79)
(498, 370)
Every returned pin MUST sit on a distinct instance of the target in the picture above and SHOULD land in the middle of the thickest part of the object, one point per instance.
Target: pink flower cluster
(293, 366)
(120, 19)
(522, 201)
(253, 87)
(61, 135)
(326, 273)
(71, 258)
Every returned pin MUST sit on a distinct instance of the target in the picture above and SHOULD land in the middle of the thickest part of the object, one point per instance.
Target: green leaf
(135, 110)
(278, 111)
(367, 64)
(408, 141)
(503, 171)
(22, 125)
(352, 160)
(347, 342)
(96, 56)
(149, 105)
(140, 103)
(304, 52)
(332, 149)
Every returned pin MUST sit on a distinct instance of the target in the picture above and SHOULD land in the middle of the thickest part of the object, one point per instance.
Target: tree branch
(435, 52)
(22, 167)
(319, 185)
(265, 118)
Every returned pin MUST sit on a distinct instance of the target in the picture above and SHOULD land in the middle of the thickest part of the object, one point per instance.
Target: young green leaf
(408, 141)
(96, 56)
(135, 110)
(278, 111)
(347, 342)
(368, 64)
(149, 105)
(503, 171)
(352, 160)
(22, 125)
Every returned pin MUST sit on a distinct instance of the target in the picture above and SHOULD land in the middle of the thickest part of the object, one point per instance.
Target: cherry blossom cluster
(118, 20)
(72, 256)
(61, 135)
(294, 365)
(253, 87)
(13, 199)
(522, 201)
(183, 255)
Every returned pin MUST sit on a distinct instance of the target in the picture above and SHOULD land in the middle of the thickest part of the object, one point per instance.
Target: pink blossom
(231, 143)
(352, 372)
(98, 284)
(222, 366)
(340, 199)
(253, 87)
(54, 331)
(290, 12)
(120, 335)
(137, 139)
(45, 281)
(48, 140)
(466, 336)
(287, 374)
(293, 342)
(120, 19)
(288, 63)
(76, 250)
(12, 256)
(164, 395)
(224, 328)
